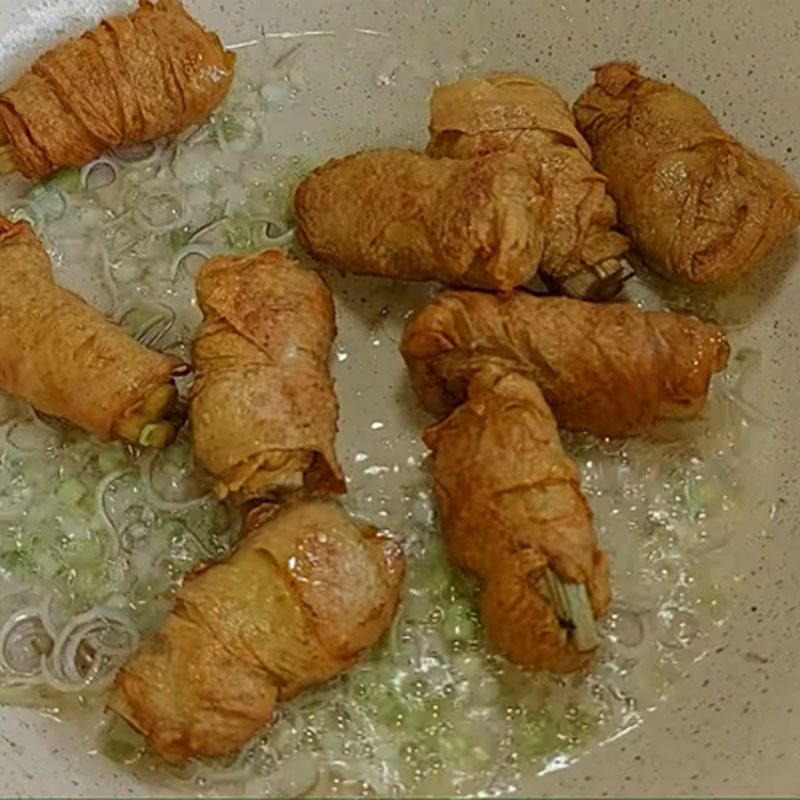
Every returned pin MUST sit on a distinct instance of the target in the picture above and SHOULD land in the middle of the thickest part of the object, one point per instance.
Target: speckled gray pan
(729, 723)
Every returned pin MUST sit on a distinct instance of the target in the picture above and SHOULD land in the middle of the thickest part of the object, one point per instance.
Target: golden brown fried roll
(399, 214)
(305, 594)
(511, 507)
(131, 79)
(263, 408)
(700, 207)
(66, 359)
(474, 117)
(612, 369)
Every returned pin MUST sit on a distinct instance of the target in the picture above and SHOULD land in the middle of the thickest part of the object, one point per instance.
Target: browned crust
(610, 369)
(61, 355)
(263, 391)
(401, 214)
(700, 207)
(307, 591)
(518, 113)
(511, 507)
(131, 79)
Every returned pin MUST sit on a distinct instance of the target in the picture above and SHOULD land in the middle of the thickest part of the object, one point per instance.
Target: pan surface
(719, 718)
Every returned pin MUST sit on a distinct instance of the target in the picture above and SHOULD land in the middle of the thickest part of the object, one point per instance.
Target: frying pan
(729, 726)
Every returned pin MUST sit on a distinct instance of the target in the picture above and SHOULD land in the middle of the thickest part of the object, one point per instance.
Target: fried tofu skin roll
(513, 513)
(130, 80)
(474, 117)
(263, 408)
(304, 595)
(399, 214)
(609, 369)
(65, 359)
(699, 207)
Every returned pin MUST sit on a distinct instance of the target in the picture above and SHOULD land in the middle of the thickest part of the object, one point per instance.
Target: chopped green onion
(85, 589)
(85, 555)
(717, 601)
(112, 457)
(19, 696)
(537, 736)
(239, 233)
(71, 492)
(18, 562)
(230, 128)
(434, 576)
(459, 623)
(157, 434)
(180, 237)
(122, 743)
(462, 752)
(390, 708)
(67, 179)
(421, 718)
(701, 495)
(574, 608)
(260, 201)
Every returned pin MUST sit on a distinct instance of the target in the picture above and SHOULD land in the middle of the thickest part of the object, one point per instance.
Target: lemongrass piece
(159, 402)
(8, 163)
(574, 608)
(146, 425)
(557, 594)
(137, 428)
(130, 427)
(512, 512)
(157, 434)
(599, 281)
(580, 609)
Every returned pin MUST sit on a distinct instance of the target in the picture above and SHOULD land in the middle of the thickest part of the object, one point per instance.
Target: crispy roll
(66, 359)
(399, 214)
(612, 369)
(263, 408)
(513, 513)
(474, 117)
(131, 79)
(304, 595)
(700, 207)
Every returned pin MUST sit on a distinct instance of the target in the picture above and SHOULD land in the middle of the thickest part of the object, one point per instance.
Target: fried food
(509, 112)
(700, 207)
(66, 359)
(399, 214)
(513, 513)
(612, 370)
(305, 594)
(132, 79)
(263, 408)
